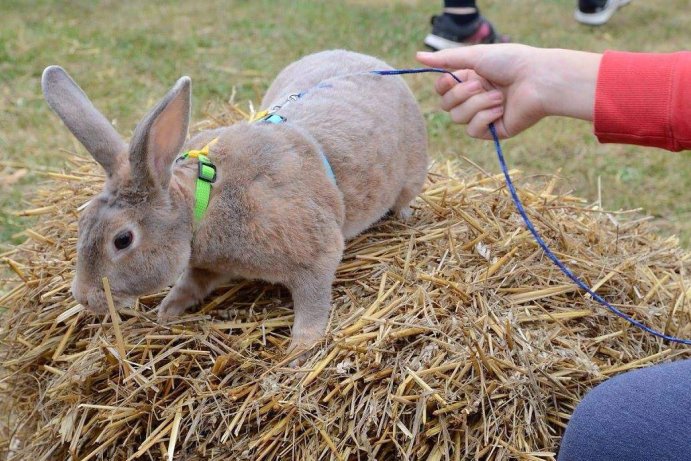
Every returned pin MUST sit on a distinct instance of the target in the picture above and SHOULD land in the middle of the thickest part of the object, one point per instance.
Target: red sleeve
(644, 99)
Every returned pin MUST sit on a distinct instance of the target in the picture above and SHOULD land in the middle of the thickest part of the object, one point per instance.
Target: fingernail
(423, 54)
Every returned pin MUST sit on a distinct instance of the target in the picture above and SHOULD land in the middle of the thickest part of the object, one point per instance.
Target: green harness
(206, 176)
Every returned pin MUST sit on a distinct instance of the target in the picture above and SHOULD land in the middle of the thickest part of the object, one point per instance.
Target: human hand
(513, 86)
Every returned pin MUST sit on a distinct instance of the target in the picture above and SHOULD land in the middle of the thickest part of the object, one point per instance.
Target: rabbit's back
(369, 127)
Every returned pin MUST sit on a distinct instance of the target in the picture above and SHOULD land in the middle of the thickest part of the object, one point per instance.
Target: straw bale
(452, 337)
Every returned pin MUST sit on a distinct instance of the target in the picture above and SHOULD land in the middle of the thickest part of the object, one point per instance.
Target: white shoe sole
(598, 19)
(440, 43)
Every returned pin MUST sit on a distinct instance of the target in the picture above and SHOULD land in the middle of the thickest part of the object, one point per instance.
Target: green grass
(126, 54)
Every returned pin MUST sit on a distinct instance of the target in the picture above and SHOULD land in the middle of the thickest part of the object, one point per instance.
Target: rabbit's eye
(123, 240)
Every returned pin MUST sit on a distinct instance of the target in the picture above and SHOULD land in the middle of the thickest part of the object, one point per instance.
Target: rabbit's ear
(159, 137)
(87, 124)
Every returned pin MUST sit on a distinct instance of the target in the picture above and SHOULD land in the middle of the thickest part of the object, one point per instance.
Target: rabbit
(274, 212)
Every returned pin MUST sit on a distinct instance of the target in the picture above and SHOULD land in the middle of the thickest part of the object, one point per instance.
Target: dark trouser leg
(461, 24)
(641, 415)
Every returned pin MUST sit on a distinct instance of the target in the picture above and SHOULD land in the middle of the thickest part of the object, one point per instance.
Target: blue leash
(529, 224)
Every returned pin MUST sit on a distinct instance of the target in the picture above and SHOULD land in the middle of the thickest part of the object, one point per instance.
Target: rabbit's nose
(79, 293)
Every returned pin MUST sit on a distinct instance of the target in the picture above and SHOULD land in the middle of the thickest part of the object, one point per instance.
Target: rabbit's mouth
(95, 300)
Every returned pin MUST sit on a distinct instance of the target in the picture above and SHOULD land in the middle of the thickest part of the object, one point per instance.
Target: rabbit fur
(274, 213)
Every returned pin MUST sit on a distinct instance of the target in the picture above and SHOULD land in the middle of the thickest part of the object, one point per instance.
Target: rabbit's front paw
(300, 350)
(404, 214)
(190, 289)
(170, 309)
(305, 339)
(97, 309)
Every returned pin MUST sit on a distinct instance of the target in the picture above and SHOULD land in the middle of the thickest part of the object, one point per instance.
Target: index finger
(453, 58)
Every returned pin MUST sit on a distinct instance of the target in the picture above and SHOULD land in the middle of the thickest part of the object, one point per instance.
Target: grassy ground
(125, 54)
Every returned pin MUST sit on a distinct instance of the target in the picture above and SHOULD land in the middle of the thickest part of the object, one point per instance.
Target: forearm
(566, 82)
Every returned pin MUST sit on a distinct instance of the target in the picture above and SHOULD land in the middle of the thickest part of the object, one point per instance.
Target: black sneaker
(596, 13)
(447, 34)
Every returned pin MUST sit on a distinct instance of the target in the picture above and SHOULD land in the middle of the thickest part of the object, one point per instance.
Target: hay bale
(452, 337)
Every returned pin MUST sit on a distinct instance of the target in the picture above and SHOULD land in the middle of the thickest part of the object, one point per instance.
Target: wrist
(568, 88)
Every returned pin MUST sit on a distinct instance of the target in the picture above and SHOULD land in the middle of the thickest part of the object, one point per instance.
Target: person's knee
(649, 406)
(585, 433)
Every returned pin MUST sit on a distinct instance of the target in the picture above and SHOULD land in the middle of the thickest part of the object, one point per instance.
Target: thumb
(451, 58)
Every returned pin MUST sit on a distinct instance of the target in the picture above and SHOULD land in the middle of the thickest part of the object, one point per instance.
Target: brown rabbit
(274, 214)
